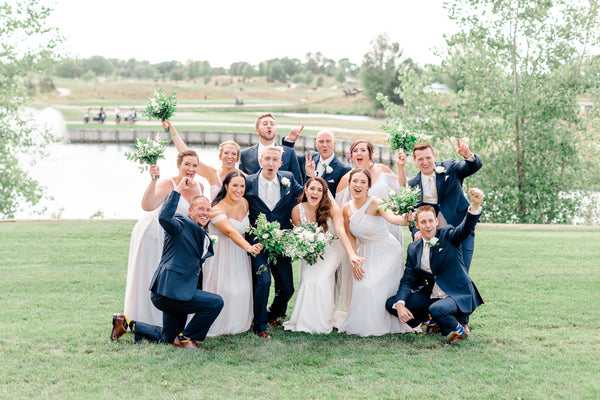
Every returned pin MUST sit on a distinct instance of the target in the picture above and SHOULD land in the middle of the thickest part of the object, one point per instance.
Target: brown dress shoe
(274, 322)
(186, 343)
(454, 337)
(118, 328)
(263, 335)
(467, 328)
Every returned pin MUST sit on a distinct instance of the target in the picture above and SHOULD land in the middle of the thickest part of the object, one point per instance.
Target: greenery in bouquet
(401, 202)
(146, 152)
(275, 240)
(310, 241)
(399, 137)
(162, 106)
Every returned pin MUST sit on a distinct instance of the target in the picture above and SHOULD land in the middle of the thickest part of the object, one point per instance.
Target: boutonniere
(440, 169)
(327, 168)
(433, 242)
(285, 182)
(213, 239)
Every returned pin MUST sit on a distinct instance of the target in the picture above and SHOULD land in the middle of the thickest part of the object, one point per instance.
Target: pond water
(90, 179)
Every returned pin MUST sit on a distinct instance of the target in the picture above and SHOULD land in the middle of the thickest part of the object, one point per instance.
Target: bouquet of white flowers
(309, 242)
(403, 201)
(275, 240)
(399, 137)
(161, 106)
(146, 152)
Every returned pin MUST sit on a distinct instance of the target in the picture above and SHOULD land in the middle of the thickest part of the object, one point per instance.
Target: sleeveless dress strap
(303, 218)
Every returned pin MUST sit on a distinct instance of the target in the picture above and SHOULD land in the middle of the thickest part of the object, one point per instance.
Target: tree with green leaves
(521, 70)
(27, 47)
(379, 70)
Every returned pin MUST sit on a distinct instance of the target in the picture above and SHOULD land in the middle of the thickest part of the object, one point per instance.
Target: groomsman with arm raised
(273, 193)
(435, 283)
(441, 188)
(176, 283)
(266, 129)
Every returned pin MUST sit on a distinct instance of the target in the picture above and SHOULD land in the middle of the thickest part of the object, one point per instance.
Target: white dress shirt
(263, 191)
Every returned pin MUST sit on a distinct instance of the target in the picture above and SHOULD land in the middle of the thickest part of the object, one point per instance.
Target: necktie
(427, 185)
(270, 195)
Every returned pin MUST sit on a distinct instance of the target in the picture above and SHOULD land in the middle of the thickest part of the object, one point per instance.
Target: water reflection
(87, 179)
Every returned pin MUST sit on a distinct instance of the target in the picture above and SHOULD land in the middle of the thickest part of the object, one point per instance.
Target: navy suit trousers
(205, 305)
(284, 289)
(444, 311)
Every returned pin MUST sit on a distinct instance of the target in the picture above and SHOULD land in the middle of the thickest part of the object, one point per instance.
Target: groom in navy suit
(176, 283)
(441, 187)
(325, 163)
(266, 129)
(273, 193)
(435, 283)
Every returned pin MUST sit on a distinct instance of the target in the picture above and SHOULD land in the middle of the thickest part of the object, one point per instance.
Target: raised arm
(167, 218)
(389, 216)
(203, 170)
(156, 192)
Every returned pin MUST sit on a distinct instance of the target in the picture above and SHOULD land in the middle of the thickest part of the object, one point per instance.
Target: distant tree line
(282, 70)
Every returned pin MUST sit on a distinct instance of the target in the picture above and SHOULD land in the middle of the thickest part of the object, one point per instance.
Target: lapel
(283, 190)
(439, 183)
(433, 252)
(419, 184)
(253, 164)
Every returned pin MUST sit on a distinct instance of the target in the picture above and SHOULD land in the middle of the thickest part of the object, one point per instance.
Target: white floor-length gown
(315, 304)
(228, 273)
(367, 315)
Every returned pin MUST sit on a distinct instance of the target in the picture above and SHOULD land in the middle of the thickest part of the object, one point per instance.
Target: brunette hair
(261, 116)
(324, 207)
(223, 191)
(356, 171)
(422, 146)
(230, 143)
(356, 143)
(186, 153)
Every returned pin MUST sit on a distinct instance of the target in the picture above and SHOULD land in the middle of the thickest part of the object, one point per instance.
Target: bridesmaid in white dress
(146, 245)
(314, 306)
(228, 272)
(229, 154)
(380, 275)
(361, 154)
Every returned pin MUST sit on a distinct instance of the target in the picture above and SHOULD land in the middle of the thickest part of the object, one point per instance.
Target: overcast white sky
(227, 31)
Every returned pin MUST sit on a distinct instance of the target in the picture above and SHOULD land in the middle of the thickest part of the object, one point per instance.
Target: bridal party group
(195, 270)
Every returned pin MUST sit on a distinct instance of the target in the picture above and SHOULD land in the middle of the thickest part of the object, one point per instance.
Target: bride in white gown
(146, 245)
(379, 277)
(383, 179)
(314, 306)
(228, 272)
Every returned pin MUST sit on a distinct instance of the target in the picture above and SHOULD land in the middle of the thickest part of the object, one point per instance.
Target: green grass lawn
(537, 336)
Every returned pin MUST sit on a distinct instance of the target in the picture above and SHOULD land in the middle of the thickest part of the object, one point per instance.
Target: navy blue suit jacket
(451, 198)
(447, 267)
(185, 248)
(283, 209)
(249, 162)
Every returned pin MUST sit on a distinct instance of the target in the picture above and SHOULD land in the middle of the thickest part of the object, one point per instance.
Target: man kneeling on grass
(436, 289)
(176, 283)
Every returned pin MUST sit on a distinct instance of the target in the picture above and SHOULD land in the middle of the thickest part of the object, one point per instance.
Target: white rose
(285, 182)
(328, 169)
(265, 236)
(440, 170)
